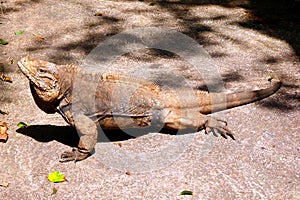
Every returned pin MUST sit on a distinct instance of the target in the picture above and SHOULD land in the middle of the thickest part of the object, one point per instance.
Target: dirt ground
(248, 41)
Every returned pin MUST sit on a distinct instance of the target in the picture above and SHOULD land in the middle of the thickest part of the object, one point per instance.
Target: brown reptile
(126, 102)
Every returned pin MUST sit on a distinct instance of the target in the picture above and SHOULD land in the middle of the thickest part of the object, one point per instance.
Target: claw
(213, 125)
(75, 155)
(67, 156)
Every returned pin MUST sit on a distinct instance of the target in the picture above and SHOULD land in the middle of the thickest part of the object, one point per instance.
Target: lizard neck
(66, 80)
(47, 106)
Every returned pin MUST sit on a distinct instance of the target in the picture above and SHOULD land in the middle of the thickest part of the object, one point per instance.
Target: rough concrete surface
(247, 41)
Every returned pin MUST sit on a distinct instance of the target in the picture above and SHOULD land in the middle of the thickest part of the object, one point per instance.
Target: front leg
(88, 133)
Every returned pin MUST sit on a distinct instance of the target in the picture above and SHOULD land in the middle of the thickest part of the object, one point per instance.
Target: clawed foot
(217, 126)
(75, 155)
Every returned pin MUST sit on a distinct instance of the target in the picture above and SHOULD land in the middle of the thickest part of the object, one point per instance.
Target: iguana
(125, 102)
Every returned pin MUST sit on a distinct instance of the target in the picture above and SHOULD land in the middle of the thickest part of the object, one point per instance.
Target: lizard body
(126, 102)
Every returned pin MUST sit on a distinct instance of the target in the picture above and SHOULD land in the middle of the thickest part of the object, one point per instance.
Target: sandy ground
(263, 161)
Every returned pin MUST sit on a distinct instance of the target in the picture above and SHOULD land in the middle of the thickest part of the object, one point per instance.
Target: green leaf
(99, 14)
(271, 78)
(3, 42)
(186, 192)
(22, 125)
(19, 32)
(152, 4)
(54, 191)
(1, 22)
(56, 177)
(5, 78)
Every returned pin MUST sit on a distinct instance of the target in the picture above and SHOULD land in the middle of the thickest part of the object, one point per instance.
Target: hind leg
(192, 119)
(217, 126)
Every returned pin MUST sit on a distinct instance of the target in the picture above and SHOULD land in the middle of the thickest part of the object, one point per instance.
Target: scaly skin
(116, 101)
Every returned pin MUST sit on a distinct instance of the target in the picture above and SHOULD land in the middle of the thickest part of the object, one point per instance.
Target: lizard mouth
(26, 71)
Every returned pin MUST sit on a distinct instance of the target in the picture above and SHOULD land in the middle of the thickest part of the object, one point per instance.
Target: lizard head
(43, 77)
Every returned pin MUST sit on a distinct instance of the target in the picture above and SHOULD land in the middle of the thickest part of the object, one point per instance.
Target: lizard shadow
(47, 133)
(68, 135)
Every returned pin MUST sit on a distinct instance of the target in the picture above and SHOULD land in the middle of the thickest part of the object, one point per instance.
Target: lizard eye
(42, 70)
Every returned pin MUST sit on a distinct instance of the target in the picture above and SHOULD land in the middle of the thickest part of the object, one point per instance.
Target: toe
(67, 156)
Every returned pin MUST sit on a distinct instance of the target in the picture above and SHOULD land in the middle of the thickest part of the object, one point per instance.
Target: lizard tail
(220, 101)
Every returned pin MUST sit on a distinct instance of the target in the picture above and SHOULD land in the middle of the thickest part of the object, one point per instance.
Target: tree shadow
(279, 19)
(6, 7)
(283, 101)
